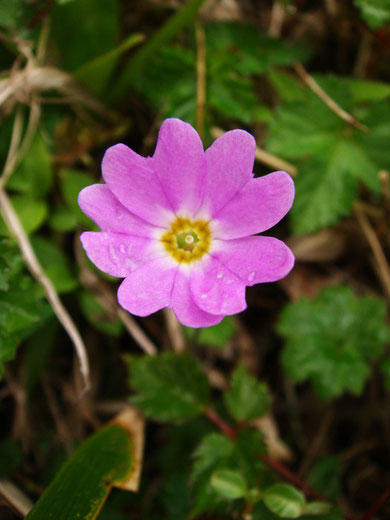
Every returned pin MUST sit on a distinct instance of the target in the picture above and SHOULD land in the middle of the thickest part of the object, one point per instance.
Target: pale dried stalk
(15, 227)
(15, 497)
(108, 301)
(382, 265)
(277, 19)
(175, 331)
(16, 154)
(200, 77)
(325, 98)
(265, 157)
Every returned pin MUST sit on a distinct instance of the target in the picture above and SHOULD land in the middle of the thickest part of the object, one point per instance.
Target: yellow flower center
(187, 241)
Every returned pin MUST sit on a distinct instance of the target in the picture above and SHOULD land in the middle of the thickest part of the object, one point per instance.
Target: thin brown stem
(326, 99)
(16, 228)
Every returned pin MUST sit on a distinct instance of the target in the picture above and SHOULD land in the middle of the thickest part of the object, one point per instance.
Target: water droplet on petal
(122, 248)
(251, 276)
(219, 275)
(203, 296)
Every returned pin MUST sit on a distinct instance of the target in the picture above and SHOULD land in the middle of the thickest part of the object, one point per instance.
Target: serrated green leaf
(81, 487)
(332, 157)
(217, 335)
(22, 308)
(228, 484)
(247, 397)
(284, 500)
(331, 340)
(169, 386)
(375, 12)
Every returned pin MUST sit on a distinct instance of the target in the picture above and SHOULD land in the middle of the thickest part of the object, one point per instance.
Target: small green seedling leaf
(169, 386)
(247, 398)
(375, 12)
(284, 500)
(217, 335)
(109, 458)
(228, 484)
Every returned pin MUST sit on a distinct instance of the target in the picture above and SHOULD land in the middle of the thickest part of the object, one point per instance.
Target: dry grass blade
(329, 102)
(14, 497)
(381, 264)
(15, 227)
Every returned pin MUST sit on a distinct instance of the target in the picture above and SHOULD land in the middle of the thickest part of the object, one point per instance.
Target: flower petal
(259, 205)
(180, 165)
(184, 307)
(101, 206)
(229, 167)
(132, 180)
(217, 290)
(116, 253)
(149, 288)
(255, 259)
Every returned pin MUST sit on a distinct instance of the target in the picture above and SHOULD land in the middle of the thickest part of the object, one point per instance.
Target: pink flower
(177, 226)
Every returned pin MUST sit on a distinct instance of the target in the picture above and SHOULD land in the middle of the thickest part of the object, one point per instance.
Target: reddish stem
(222, 425)
(378, 504)
(273, 463)
(292, 477)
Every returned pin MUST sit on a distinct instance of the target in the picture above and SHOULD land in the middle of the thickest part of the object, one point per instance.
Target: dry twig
(174, 331)
(325, 98)
(15, 227)
(381, 263)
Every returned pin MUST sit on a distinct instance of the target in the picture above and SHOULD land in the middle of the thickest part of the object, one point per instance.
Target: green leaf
(33, 176)
(32, 213)
(78, 42)
(216, 453)
(22, 308)
(11, 456)
(261, 512)
(284, 500)
(247, 397)
(375, 12)
(332, 157)
(81, 487)
(217, 335)
(228, 484)
(97, 315)
(141, 59)
(317, 508)
(62, 219)
(363, 90)
(169, 386)
(385, 369)
(71, 183)
(96, 73)
(331, 340)
(325, 476)
(55, 264)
